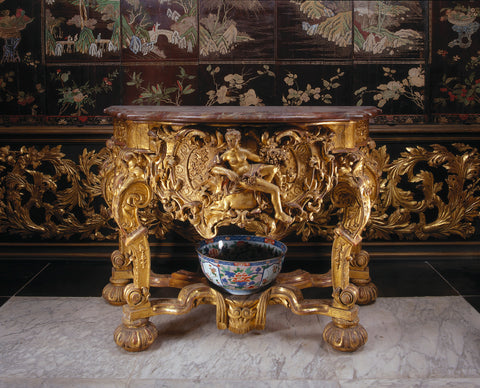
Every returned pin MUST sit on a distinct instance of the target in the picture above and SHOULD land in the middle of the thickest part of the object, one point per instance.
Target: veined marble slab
(414, 342)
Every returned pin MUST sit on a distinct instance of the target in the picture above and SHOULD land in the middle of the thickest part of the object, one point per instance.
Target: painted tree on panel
(376, 24)
(218, 32)
(379, 26)
(332, 20)
(84, 41)
(141, 29)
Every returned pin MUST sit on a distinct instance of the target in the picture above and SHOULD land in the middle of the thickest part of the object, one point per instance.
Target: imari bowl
(241, 265)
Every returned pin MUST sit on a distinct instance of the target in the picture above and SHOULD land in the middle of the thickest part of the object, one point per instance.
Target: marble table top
(236, 114)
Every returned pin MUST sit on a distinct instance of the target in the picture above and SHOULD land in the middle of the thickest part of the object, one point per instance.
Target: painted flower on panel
(26, 99)
(390, 91)
(297, 96)
(235, 88)
(290, 79)
(221, 95)
(463, 90)
(250, 98)
(76, 98)
(416, 77)
(161, 94)
(235, 80)
(410, 87)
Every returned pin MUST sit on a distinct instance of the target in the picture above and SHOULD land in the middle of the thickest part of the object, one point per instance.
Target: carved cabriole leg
(132, 193)
(341, 334)
(369, 173)
(353, 193)
(121, 267)
(360, 276)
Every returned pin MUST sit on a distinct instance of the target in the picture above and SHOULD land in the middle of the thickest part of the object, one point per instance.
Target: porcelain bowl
(240, 264)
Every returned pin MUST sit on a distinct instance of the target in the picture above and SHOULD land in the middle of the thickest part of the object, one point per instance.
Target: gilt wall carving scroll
(420, 178)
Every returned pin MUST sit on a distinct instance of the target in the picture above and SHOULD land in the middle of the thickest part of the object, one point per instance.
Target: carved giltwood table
(266, 170)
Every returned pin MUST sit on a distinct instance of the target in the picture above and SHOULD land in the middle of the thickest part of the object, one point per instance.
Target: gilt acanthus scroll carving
(45, 194)
(442, 198)
(428, 191)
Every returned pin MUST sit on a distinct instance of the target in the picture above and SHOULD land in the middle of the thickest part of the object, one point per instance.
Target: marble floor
(424, 331)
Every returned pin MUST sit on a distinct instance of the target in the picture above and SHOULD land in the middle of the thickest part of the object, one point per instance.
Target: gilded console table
(266, 170)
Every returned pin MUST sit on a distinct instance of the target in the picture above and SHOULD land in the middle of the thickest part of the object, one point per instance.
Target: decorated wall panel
(64, 61)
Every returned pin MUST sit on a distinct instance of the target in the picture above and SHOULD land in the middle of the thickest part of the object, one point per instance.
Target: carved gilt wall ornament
(429, 191)
(46, 195)
(447, 199)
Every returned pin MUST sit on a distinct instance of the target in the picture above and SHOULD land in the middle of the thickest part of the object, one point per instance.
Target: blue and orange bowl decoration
(239, 264)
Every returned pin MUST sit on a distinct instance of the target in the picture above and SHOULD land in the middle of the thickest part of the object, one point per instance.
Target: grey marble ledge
(158, 383)
(424, 342)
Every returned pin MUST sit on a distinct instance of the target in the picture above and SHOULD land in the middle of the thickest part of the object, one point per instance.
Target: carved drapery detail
(426, 192)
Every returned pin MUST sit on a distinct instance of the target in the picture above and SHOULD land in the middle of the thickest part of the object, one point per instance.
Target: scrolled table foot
(113, 292)
(367, 292)
(135, 336)
(344, 335)
(360, 276)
